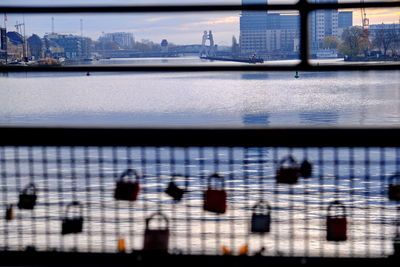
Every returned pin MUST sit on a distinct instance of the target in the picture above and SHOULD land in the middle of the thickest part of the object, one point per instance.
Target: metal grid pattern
(358, 177)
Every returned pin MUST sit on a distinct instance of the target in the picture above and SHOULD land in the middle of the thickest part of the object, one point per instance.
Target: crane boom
(364, 19)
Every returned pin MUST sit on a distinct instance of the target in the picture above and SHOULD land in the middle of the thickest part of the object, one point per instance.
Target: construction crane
(21, 30)
(364, 19)
(365, 25)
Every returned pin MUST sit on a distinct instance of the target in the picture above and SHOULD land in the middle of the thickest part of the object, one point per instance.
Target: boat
(252, 59)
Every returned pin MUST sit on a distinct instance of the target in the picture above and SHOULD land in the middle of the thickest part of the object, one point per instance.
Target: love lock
(288, 171)
(72, 224)
(27, 198)
(214, 198)
(261, 218)
(336, 224)
(156, 239)
(9, 212)
(173, 190)
(305, 169)
(396, 241)
(127, 190)
(394, 187)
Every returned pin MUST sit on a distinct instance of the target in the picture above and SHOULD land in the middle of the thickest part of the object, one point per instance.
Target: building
(266, 34)
(322, 23)
(345, 20)
(123, 39)
(36, 47)
(72, 46)
(3, 44)
(253, 26)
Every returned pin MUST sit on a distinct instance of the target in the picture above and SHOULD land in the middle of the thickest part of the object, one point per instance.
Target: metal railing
(75, 205)
(298, 205)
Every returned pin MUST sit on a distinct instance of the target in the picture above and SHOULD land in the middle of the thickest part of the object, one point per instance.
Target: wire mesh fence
(272, 201)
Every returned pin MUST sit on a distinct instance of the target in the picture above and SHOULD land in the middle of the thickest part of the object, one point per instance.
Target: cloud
(222, 20)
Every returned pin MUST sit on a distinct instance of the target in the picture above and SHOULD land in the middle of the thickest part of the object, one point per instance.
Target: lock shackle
(160, 214)
(290, 160)
(216, 177)
(129, 172)
(261, 207)
(30, 189)
(337, 205)
(393, 178)
(77, 204)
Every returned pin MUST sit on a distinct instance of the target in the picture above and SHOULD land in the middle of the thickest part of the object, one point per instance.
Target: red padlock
(336, 222)
(156, 239)
(394, 187)
(288, 171)
(214, 198)
(127, 190)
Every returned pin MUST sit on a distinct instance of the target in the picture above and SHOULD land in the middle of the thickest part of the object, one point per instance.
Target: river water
(209, 98)
(357, 177)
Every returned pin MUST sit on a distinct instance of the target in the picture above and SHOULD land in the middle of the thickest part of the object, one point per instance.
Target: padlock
(214, 198)
(174, 190)
(305, 169)
(28, 197)
(9, 212)
(127, 190)
(394, 187)
(288, 171)
(72, 224)
(336, 224)
(396, 241)
(261, 218)
(156, 239)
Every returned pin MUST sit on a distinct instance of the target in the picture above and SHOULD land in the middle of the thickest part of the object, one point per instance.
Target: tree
(385, 39)
(331, 42)
(355, 42)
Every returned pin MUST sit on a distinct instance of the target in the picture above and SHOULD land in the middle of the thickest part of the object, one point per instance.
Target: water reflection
(254, 76)
(319, 117)
(209, 98)
(256, 119)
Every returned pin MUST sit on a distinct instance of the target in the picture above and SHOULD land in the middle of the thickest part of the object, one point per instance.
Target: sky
(177, 28)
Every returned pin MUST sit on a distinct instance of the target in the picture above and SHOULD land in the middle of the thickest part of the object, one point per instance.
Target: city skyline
(177, 28)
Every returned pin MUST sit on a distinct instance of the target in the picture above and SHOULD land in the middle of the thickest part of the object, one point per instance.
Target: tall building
(345, 20)
(124, 39)
(267, 34)
(253, 26)
(323, 23)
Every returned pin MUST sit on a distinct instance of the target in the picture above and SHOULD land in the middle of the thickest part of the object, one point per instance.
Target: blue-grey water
(357, 177)
(209, 98)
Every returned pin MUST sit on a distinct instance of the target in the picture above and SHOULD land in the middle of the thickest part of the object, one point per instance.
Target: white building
(124, 39)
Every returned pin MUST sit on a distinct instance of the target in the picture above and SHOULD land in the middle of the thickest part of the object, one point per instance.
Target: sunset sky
(178, 28)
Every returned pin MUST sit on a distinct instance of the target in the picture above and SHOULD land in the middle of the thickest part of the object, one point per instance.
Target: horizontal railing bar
(203, 68)
(39, 258)
(202, 137)
(191, 8)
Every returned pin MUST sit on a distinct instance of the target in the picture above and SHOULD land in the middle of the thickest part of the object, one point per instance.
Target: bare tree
(385, 39)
